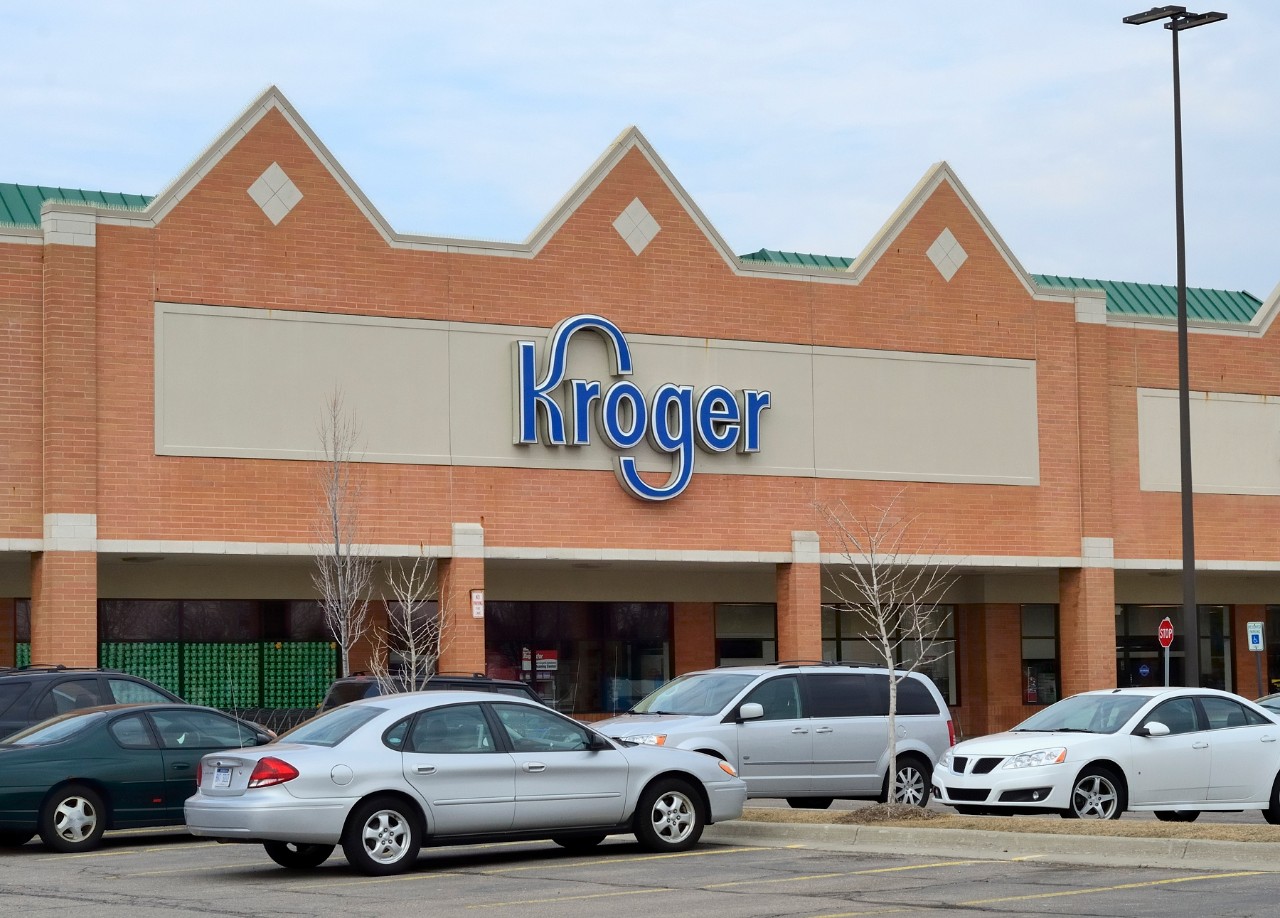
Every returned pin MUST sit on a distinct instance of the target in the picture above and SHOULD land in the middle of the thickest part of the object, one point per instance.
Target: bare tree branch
(342, 574)
(893, 580)
(415, 632)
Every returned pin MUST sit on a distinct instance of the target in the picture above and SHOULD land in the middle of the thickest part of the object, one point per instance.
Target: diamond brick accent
(275, 193)
(947, 255)
(636, 226)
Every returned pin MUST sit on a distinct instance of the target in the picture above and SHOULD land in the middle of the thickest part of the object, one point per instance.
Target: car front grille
(978, 765)
(965, 794)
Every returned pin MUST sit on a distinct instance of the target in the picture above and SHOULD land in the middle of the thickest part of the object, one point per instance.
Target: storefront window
(1271, 635)
(581, 656)
(845, 640)
(1140, 658)
(746, 633)
(1040, 677)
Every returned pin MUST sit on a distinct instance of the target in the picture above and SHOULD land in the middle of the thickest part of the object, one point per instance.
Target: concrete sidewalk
(1105, 851)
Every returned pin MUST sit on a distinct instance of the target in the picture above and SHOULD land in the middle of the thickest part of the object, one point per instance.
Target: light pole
(1179, 20)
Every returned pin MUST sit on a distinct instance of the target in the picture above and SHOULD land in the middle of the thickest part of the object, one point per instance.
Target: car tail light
(270, 771)
(199, 772)
(951, 733)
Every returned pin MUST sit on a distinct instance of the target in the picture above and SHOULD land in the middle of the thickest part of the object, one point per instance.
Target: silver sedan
(384, 776)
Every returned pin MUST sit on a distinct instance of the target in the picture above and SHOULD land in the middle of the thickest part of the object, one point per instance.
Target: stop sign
(1165, 632)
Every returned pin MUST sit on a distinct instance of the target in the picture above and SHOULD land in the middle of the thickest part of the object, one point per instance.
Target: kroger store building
(614, 437)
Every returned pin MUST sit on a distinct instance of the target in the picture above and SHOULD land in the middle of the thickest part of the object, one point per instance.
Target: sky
(797, 126)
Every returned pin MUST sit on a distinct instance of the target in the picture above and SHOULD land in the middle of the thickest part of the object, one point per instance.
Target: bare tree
(342, 573)
(415, 631)
(893, 581)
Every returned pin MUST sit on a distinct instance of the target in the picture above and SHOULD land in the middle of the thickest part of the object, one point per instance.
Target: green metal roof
(799, 260)
(1130, 299)
(1124, 298)
(20, 204)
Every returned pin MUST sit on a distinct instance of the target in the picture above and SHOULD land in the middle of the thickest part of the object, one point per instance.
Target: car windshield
(695, 693)
(53, 731)
(1085, 714)
(332, 727)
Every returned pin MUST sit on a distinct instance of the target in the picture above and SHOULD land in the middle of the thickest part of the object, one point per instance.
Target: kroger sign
(673, 418)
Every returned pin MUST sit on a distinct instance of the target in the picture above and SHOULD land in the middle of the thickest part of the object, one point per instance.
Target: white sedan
(1174, 751)
(384, 776)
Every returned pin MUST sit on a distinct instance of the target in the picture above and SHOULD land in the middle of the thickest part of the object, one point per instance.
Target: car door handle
(1200, 745)
(799, 729)
(424, 769)
(181, 766)
(1268, 739)
(824, 730)
(533, 766)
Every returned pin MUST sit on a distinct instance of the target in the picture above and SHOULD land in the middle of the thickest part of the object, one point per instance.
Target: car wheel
(15, 838)
(809, 803)
(297, 856)
(668, 817)
(1272, 813)
(382, 837)
(577, 842)
(1177, 815)
(73, 818)
(1096, 794)
(913, 784)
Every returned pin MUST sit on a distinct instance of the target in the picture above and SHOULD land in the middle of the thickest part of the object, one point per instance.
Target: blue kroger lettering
(674, 420)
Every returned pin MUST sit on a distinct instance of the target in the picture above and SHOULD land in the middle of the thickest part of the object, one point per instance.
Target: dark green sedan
(71, 778)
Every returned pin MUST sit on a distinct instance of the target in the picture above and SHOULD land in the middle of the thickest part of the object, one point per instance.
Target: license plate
(222, 776)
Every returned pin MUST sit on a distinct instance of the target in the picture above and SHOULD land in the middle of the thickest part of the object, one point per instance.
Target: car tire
(1272, 813)
(809, 803)
(297, 856)
(1096, 793)
(72, 818)
(382, 836)
(578, 842)
(915, 782)
(1177, 815)
(669, 816)
(15, 838)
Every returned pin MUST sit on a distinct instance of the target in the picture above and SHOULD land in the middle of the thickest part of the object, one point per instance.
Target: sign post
(1256, 645)
(1165, 634)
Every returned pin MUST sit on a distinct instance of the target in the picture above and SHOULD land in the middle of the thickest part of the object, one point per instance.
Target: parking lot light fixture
(1179, 20)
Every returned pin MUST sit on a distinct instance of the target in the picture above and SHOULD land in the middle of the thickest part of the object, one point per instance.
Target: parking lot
(157, 873)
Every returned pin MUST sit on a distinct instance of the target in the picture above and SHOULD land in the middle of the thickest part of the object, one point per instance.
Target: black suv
(364, 685)
(30, 694)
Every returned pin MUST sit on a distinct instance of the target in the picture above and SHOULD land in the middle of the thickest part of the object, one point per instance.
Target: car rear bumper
(247, 819)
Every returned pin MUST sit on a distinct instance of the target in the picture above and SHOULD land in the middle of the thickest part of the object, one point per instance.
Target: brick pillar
(800, 600)
(989, 642)
(1245, 662)
(458, 576)
(64, 580)
(1087, 623)
(694, 636)
(8, 632)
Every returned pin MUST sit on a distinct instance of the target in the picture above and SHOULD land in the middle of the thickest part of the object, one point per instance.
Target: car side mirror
(1153, 728)
(751, 711)
(598, 743)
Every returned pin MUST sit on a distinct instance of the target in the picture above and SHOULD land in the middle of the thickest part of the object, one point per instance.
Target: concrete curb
(1105, 851)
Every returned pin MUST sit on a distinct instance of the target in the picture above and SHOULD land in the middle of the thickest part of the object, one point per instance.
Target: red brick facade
(77, 410)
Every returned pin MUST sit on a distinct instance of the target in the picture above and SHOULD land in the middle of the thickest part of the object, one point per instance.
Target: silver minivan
(807, 732)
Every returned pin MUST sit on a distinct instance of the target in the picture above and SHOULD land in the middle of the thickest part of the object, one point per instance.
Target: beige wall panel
(1235, 442)
(925, 417)
(252, 383)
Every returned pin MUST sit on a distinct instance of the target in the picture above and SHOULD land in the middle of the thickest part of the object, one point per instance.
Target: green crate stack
(221, 675)
(157, 661)
(296, 675)
(22, 654)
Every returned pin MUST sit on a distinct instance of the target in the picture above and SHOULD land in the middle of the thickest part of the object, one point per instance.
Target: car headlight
(648, 739)
(1055, 756)
(946, 760)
